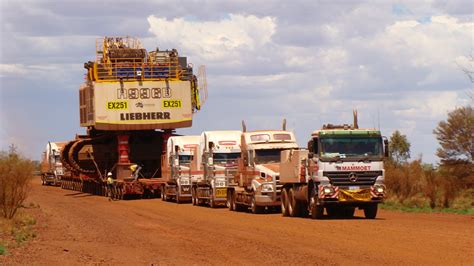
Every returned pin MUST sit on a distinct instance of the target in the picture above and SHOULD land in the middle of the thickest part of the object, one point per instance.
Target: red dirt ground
(75, 228)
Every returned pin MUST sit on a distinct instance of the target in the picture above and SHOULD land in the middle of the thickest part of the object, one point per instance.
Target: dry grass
(417, 185)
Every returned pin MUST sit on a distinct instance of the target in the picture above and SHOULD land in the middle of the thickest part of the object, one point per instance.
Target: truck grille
(366, 178)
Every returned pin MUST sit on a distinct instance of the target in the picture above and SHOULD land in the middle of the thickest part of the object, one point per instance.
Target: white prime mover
(52, 170)
(217, 161)
(177, 167)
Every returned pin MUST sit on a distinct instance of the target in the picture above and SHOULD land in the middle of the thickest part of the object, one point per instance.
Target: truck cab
(217, 161)
(349, 168)
(341, 170)
(177, 167)
(52, 170)
(257, 181)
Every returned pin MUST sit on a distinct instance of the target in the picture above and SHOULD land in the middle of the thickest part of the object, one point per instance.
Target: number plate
(221, 193)
(354, 187)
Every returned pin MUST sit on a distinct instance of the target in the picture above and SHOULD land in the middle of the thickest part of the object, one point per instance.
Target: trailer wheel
(284, 202)
(293, 206)
(370, 211)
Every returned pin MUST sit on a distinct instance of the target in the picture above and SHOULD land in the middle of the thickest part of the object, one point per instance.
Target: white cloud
(227, 39)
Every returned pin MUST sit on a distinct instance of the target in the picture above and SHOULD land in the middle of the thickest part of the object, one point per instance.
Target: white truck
(341, 170)
(52, 170)
(217, 160)
(177, 168)
(257, 182)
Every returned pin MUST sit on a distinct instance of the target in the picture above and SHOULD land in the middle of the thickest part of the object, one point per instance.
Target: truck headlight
(380, 189)
(328, 190)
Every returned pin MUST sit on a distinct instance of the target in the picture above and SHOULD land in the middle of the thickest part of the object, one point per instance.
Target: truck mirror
(310, 145)
(310, 155)
(211, 145)
(385, 143)
(176, 149)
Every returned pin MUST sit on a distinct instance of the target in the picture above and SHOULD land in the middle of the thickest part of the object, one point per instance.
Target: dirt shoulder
(76, 228)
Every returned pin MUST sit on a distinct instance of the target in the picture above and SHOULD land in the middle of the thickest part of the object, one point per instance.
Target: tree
(456, 137)
(16, 173)
(399, 147)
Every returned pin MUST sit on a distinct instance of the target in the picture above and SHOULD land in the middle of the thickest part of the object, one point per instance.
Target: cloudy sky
(312, 62)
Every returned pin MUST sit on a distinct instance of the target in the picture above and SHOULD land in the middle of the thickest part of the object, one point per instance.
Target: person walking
(110, 185)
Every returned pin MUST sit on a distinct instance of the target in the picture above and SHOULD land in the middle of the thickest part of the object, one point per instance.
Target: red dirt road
(76, 228)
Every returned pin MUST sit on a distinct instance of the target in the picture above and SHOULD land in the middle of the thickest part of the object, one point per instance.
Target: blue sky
(311, 62)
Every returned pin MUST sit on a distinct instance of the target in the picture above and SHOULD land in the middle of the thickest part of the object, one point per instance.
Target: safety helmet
(109, 174)
(133, 167)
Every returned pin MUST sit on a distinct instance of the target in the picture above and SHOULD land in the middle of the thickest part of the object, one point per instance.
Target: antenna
(284, 124)
(356, 124)
(244, 127)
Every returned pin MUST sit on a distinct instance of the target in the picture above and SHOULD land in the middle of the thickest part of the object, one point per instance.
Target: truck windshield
(351, 147)
(267, 156)
(225, 157)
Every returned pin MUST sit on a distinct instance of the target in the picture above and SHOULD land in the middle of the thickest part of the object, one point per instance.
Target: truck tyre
(193, 196)
(370, 211)
(230, 200)
(303, 209)
(317, 211)
(293, 206)
(178, 200)
(237, 207)
(254, 207)
(212, 203)
(284, 202)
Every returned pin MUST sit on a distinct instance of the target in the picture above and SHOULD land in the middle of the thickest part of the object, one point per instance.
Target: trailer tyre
(284, 202)
(370, 211)
(293, 206)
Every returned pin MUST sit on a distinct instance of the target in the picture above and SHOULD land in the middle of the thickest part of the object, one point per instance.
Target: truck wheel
(193, 196)
(303, 209)
(236, 206)
(212, 203)
(370, 211)
(254, 208)
(284, 202)
(317, 211)
(293, 206)
(230, 201)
